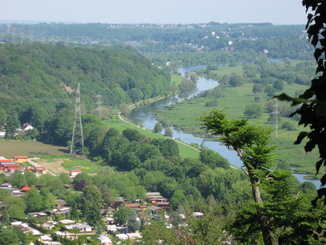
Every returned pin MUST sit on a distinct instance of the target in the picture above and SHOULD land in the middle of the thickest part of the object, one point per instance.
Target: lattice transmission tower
(275, 118)
(98, 109)
(77, 140)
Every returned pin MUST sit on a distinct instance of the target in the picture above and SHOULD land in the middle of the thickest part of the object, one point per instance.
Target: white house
(73, 173)
(27, 126)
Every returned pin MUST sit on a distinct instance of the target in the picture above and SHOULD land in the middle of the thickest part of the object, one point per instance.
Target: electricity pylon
(98, 109)
(275, 118)
(77, 140)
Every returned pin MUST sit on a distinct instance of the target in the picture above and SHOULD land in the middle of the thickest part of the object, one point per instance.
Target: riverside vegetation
(256, 104)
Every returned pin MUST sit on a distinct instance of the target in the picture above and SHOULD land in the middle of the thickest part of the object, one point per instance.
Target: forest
(262, 203)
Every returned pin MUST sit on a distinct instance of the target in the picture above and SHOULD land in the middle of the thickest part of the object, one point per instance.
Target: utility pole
(98, 109)
(275, 118)
(77, 140)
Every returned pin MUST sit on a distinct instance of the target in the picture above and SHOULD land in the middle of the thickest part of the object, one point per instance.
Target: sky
(279, 12)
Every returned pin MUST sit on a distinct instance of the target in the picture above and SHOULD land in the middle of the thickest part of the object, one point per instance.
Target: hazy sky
(155, 11)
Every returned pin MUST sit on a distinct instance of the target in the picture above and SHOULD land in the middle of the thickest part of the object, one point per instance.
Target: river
(146, 113)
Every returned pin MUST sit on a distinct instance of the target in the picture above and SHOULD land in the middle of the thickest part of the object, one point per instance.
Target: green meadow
(184, 116)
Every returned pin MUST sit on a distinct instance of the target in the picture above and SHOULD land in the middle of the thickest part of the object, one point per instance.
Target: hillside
(31, 73)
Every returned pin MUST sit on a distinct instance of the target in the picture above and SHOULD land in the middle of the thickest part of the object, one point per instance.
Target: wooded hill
(34, 73)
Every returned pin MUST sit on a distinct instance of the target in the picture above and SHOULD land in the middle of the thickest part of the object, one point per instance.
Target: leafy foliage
(313, 100)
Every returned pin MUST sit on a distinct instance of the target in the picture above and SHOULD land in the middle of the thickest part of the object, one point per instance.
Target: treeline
(175, 42)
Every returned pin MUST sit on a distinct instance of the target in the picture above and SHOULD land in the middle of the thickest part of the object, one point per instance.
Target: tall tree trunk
(268, 236)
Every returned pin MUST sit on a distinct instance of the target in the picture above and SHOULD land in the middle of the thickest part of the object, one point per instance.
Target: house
(111, 228)
(122, 236)
(40, 170)
(23, 226)
(164, 205)
(62, 210)
(35, 232)
(6, 161)
(104, 240)
(19, 159)
(73, 173)
(134, 235)
(155, 197)
(136, 207)
(27, 126)
(38, 215)
(197, 214)
(6, 185)
(48, 225)
(82, 228)
(61, 203)
(11, 168)
(118, 202)
(25, 188)
(67, 221)
(154, 209)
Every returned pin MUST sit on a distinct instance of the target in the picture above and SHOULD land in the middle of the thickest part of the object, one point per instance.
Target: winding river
(146, 113)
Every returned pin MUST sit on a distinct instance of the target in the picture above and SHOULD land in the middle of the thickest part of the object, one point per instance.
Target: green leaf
(317, 53)
(323, 182)
(283, 97)
(318, 165)
(301, 136)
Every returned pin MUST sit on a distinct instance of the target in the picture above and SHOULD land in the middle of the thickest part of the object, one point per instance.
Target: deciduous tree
(251, 144)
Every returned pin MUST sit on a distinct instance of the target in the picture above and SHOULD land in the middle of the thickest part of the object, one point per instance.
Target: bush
(254, 110)
(289, 126)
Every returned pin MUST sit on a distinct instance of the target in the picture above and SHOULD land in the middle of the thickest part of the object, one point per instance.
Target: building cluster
(47, 222)
(13, 165)
(155, 203)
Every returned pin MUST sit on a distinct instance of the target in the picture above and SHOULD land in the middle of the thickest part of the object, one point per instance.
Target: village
(54, 231)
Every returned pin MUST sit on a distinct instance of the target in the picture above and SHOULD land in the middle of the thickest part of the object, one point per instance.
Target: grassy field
(29, 148)
(176, 79)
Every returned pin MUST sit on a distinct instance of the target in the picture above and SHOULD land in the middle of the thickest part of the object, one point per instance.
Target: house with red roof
(6, 161)
(73, 173)
(40, 170)
(19, 159)
(10, 167)
(25, 188)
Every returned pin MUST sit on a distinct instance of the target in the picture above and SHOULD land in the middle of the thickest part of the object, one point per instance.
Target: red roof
(25, 188)
(10, 165)
(75, 171)
(14, 168)
(20, 157)
(6, 160)
(132, 205)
